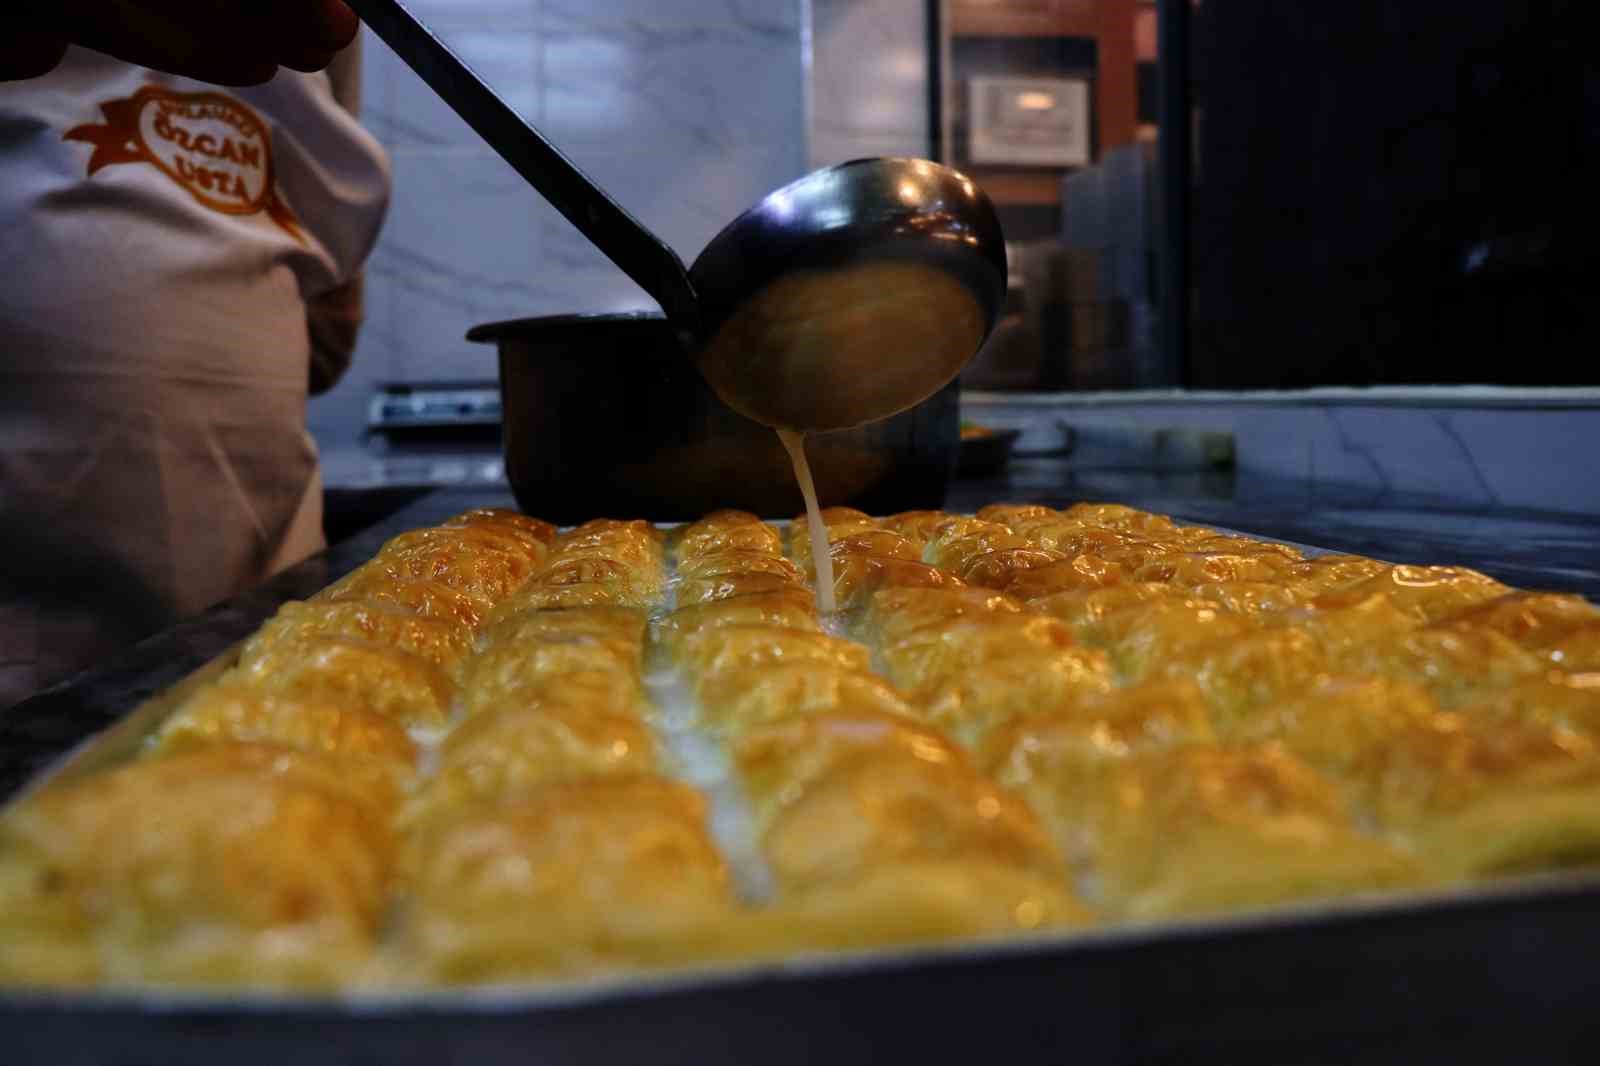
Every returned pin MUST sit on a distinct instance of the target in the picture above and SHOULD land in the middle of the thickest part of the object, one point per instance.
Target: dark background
(1393, 192)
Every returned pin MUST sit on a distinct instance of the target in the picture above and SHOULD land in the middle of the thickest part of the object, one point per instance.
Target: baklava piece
(603, 563)
(475, 560)
(301, 626)
(1468, 793)
(1450, 663)
(919, 527)
(1254, 598)
(1563, 630)
(838, 522)
(1243, 671)
(729, 586)
(736, 562)
(1188, 569)
(959, 543)
(788, 608)
(1054, 758)
(1342, 629)
(1553, 699)
(735, 700)
(1072, 538)
(566, 737)
(512, 675)
(355, 673)
(233, 865)
(1074, 574)
(737, 647)
(1332, 573)
(531, 531)
(1010, 514)
(224, 712)
(620, 630)
(1199, 828)
(1119, 517)
(1145, 636)
(566, 880)
(1427, 593)
(1086, 610)
(977, 699)
(725, 531)
(430, 599)
(1479, 799)
(897, 612)
(934, 654)
(856, 578)
(879, 832)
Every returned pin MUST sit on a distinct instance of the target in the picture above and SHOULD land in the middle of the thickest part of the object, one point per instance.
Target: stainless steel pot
(606, 416)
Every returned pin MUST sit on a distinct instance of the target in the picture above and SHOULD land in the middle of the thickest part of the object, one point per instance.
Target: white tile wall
(688, 112)
(869, 85)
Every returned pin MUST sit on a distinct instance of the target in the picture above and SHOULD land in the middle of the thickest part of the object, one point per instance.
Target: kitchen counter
(1525, 548)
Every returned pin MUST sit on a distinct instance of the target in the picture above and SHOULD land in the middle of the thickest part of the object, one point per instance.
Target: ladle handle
(640, 254)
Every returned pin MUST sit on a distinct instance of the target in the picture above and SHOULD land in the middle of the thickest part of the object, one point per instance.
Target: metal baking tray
(1498, 972)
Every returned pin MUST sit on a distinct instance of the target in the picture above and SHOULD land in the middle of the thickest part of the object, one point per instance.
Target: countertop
(1528, 549)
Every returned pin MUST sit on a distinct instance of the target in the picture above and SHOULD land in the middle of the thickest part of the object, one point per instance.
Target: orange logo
(210, 144)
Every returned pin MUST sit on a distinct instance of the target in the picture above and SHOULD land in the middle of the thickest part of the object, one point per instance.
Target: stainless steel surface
(640, 254)
(604, 414)
(850, 294)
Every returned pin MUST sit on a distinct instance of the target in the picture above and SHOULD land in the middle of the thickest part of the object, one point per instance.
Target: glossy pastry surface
(506, 752)
(235, 864)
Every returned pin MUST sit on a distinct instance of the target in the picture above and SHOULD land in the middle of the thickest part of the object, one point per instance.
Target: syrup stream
(794, 443)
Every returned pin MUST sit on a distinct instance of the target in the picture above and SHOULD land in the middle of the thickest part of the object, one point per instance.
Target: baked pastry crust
(500, 751)
(430, 599)
(620, 872)
(475, 560)
(897, 612)
(737, 647)
(728, 530)
(498, 754)
(879, 810)
(856, 577)
(738, 699)
(1199, 828)
(357, 673)
(232, 712)
(299, 627)
(234, 864)
(794, 607)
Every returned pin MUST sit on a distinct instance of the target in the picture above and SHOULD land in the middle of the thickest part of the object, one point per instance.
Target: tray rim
(378, 1003)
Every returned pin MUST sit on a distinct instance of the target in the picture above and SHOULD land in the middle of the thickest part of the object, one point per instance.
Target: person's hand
(228, 42)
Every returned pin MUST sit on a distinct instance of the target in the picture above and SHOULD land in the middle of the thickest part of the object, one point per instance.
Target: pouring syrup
(794, 443)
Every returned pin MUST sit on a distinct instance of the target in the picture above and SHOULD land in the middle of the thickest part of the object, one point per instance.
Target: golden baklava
(500, 751)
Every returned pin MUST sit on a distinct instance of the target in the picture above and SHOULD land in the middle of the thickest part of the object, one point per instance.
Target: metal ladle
(842, 298)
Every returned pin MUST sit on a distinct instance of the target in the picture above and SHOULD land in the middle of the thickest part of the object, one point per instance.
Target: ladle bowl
(849, 295)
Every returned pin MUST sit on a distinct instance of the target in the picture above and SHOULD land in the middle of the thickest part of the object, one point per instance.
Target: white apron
(159, 240)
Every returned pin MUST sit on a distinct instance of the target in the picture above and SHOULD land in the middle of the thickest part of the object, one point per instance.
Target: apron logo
(210, 144)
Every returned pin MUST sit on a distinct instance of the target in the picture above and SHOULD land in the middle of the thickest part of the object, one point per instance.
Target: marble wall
(1459, 448)
(687, 112)
(869, 79)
